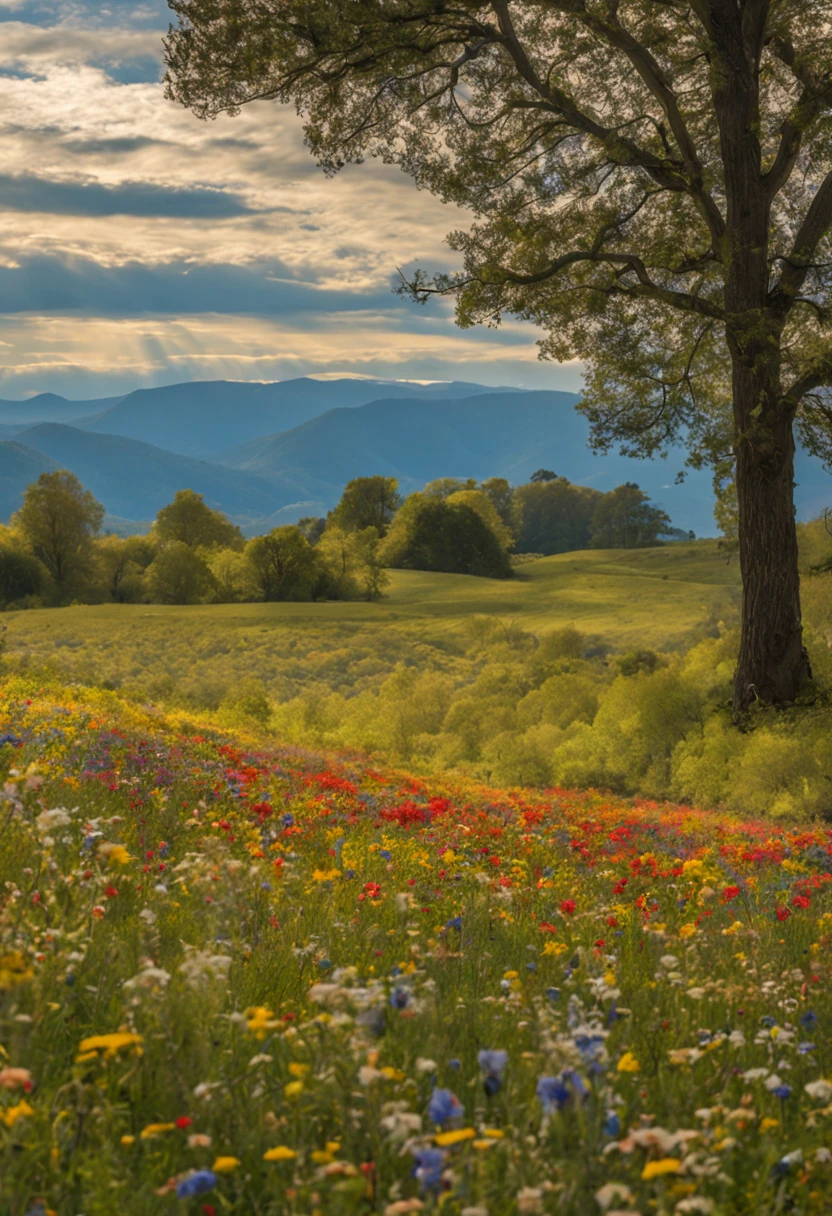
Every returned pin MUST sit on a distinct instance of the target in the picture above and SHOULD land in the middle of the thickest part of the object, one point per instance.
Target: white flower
(613, 1192)
(670, 962)
(200, 966)
(148, 916)
(149, 977)
(820, 1090)
(695, 1203)
(823, 1156)
(400, 1125)
(773, 1082)
(529, 1201)
(425, 1065)
(47, 821)
(756, 1074)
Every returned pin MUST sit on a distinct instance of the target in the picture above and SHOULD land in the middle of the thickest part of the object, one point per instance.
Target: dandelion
(628, 1063)
(280, 1153)
(658, 1169)
(225, 1165)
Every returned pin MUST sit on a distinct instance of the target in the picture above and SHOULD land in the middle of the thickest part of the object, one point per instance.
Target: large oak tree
(651, 183)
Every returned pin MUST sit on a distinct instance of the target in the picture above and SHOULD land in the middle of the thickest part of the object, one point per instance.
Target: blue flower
(805, 1048)
(196, 1184)
(455, 1065)
(288, 820)
(400, 998)
(428, 1168)
(531, 966)
(612, 1124)
(808, 1019)
(444, 1105)
(782, 1092)
(493, 1062)
(553, 994)
(385, 853)
(553, 1094)
(324, 964)
(454, 923)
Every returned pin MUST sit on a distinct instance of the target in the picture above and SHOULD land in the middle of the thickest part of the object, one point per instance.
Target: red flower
(612, 921)
(567, 907)
(208, 1209)
(184, 1121)
(111, 892)
(546, 926)
(730, 893)
(801, 901)
(783, 913)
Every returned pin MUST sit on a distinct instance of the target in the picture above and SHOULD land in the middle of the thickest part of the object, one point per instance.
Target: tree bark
(772, 664)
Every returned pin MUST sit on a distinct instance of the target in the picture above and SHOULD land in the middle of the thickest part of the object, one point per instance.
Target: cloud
(37, 194)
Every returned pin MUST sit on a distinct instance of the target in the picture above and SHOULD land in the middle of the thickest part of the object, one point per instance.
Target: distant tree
(59, 519)
(122, 561)
(284, 565)
(188, 519)
(233, 581)
(432, 534)
(178, 575)
(312, 527)
(626, 519)
(21, 574)
(444, 487)
(543, 475)
(480, 502)
(501, 494)
(351, 564)
(556, 516)
(367, 502)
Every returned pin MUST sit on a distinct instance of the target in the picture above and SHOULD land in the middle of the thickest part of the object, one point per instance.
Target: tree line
(53, 553)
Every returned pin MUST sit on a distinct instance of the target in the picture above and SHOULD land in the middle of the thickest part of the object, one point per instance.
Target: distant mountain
(134, 480)
(497, 434)
(205, 417)
(19, 467)
(49, 407)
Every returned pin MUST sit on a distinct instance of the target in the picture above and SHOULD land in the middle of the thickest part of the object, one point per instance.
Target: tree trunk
(772, 664)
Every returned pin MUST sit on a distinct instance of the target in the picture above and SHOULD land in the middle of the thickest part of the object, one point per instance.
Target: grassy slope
(651, 597)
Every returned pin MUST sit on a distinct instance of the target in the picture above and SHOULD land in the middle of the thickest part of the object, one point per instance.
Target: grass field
(652, 597)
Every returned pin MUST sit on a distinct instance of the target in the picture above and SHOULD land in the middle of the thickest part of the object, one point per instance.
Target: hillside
(49, 407)
(20, 465)
(134, 480)
(503, 434)
(202, 418)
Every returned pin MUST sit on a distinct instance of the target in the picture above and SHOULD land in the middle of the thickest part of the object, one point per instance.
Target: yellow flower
(555, 948)
(14, 970)
(128, 1140)
(109, 1044)
(260, 1020)
(656, 1169)
(482, 1145)
(281, 1153)
(325, 875)
(11, 1116)
(454, 1137)
(628, 1063)
(320, 1157)
(332, 1146)
(392, 1074)
(494, 1133)
(687, 930)
(767, 1125)
(298, 1070)
(294, 1089)
(225, 1165)
(609, 979)
(156, 1129)
(114, 853)
(509, 975)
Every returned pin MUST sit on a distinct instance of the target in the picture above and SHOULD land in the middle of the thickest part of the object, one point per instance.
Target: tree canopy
(59, 519)
(650, 183)
(367, 502)
(190, 520)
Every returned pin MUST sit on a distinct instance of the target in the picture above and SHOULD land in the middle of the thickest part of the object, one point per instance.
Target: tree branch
(815, 226)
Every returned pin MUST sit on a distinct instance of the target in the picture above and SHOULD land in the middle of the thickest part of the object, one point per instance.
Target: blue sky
(140, 246)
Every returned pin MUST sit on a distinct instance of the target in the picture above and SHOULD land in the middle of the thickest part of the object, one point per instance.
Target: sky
(141, 246)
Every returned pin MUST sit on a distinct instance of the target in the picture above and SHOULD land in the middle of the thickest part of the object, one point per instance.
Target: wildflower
(199, 1140)
(155, 1129)
(530, 1201)
(15, 1078)
(108, 1044)
(14, 970)
(11, 1115)
(444, 1106)
(820, 1090)
(613, 1192)
(567, 907)
(782, 913)
(445, 1139)
(628, 1063)
(493, 1064)
(280, 1153)
(657, 1169)
(196, 1183)
(553, 1093)
(225, 1165)
(429, 1166)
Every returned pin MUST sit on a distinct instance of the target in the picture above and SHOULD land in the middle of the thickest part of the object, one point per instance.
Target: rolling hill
(134, 480)
(49, 407)
(19, 467)
(204, 417)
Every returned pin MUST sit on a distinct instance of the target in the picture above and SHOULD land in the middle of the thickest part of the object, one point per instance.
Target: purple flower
(553, 1094)
(444, 1105)
(493, 1062)
(196, 1184)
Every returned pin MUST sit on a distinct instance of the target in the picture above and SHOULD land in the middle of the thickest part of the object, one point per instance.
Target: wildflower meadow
(239, 980)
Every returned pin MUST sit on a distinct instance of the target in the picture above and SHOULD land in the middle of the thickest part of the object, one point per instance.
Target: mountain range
(270, 453)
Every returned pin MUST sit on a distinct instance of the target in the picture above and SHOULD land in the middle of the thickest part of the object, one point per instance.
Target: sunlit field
(247, 980)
